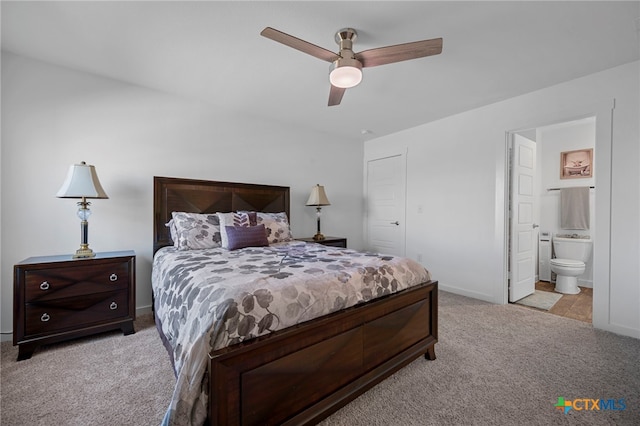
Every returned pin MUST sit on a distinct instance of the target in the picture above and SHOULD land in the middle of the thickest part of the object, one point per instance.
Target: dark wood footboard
(303, 374)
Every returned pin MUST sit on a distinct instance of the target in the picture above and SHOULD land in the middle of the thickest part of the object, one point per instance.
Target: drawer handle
(113, 306)
(44, 285)
(45, 317)
(113, 277)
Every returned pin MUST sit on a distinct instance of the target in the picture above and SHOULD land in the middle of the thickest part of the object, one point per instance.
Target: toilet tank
(577, 248)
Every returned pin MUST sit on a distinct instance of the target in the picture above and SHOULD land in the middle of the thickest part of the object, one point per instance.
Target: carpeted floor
(110, 379)
(497, 365)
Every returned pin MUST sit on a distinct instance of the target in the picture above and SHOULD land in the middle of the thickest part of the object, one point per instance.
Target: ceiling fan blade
(301, 45)
(335, 95)
(400, 52)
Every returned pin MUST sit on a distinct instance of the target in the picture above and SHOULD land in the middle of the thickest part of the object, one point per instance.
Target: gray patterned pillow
(173, 232)
(276, 226)
(195, 230)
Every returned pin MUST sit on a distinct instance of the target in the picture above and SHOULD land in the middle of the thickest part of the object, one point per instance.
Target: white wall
(457, 167)
(552, 141)
(53, 117)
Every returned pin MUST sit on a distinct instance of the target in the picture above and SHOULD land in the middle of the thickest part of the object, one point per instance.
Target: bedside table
(328, 241)
(56, 298)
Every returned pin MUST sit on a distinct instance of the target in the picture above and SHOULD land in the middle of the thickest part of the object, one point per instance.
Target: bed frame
(301, 374)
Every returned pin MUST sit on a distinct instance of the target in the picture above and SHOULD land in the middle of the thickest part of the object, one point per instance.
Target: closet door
(385, 195)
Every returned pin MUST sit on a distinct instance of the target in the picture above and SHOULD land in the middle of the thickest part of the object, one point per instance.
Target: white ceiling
(213, 51)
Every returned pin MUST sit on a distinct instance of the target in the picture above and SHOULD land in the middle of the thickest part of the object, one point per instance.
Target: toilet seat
(567, 263)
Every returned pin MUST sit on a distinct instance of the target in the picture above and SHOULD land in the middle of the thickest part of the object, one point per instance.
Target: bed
(287, 366)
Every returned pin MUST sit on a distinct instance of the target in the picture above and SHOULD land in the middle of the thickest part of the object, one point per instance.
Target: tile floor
(577, 306)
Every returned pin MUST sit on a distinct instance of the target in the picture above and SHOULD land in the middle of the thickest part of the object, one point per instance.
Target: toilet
(571, 251)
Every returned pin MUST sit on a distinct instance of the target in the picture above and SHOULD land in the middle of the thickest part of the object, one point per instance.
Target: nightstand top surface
(326, 238)
(69, 257)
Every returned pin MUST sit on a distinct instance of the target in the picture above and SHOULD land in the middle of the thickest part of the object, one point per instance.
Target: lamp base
(318, 237)
(84, 252)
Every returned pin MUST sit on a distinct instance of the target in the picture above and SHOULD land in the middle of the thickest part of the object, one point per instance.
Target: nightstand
(56, 298)
(328, 241)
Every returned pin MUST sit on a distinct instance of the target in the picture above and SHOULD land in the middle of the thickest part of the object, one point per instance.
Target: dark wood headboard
(203, 196)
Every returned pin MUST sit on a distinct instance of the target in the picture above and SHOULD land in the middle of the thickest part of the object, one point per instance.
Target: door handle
(395, 223)
(535, 225)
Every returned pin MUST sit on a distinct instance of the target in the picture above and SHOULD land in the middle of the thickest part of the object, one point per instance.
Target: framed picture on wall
(576, 164)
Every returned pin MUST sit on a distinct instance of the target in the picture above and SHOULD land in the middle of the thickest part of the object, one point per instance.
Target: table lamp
(318, 198)
(82, 182)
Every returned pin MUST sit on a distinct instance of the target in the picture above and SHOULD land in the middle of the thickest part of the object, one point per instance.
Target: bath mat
(540, 299)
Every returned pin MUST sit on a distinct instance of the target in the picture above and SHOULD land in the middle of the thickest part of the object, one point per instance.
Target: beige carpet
(497, 365)
(540, 299)
(110, 379)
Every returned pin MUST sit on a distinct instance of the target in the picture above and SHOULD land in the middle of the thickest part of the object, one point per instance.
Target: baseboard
(585, 283)
(143, 310)
(464, 292)
(617, 329)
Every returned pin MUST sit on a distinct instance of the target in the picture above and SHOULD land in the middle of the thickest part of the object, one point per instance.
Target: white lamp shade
(318, 197)
(82, 181)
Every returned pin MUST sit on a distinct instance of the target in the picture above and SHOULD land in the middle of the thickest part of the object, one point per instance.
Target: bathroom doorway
(530, 282)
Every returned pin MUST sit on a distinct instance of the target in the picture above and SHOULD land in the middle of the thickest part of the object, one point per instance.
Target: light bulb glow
(345, 77)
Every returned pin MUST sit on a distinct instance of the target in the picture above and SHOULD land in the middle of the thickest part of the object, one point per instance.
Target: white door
(522, 229)
(386, 205)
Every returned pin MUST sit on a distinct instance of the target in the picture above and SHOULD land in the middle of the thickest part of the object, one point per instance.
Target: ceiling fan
(346, 68)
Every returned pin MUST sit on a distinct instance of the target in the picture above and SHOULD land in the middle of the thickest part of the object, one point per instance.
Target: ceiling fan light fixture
(346, 65)
(346, 73)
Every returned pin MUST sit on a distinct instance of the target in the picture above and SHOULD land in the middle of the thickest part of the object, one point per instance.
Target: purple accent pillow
(231, 219)
(246, 236)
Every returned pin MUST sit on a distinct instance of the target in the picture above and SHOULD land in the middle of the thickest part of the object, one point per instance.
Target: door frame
(603, 113)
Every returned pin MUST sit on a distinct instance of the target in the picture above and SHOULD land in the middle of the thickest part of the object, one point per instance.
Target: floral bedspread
(212, 298)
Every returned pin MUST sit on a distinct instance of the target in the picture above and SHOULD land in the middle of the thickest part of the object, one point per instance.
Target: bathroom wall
(551, 141)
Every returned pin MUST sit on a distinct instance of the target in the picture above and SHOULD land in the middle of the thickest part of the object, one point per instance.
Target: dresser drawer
(60, 314)
(57, 283)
